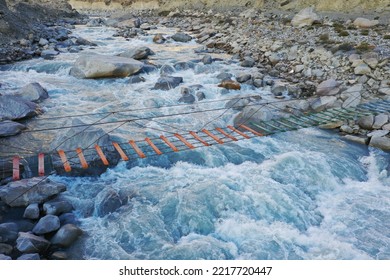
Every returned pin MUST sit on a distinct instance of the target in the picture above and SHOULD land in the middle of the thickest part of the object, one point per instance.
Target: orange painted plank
(251, 130)
(41, 164)
(239, 132)
(65, 161)
(219, 141)
(182, 139)
(196, 136)
(154, 147)
(226, 134)
(137, 149)
(173, 147)
(15, 168)
(120, 151)
(83, 162)
(101, 154)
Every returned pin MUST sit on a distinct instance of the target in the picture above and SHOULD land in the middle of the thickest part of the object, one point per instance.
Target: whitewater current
(305, 194)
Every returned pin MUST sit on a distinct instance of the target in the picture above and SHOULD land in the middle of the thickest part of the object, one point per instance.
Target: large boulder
(33, 92)
(305, 17)
(323, 102)
(46, 224)
(8, 232)
(66, 235)
(15, 108)
(31, 211)
(92, 66)
(108, 201)
(381, 143)
(181, 37)
(27, 191)
(365, 23)
(10, 128)
(380, 120)
(366, 122)
(168, 82)
(29, 243)
(186, 96)
(57, 207)
(137, 53)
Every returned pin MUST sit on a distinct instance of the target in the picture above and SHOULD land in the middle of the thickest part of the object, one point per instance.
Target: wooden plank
(182, 139)
(83, 162)
(15, 168)
(251, 130)
(41, 164)
(226, 134)
(64, 160)
(137, 149)
(154, 147)
(120, 151)
(239, 132)
(165, 139)
(197, 137)
(101, 154)
(216, 138)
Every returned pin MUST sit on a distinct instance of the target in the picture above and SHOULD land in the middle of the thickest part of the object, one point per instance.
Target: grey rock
(43, 42)
(10, 128)
(372, 62)
(159, 39)
(136, 79)
(134, 22)
(362, 69)
(68, 218)
(29, 257)
(5, 249)
(243, 77)
(92, 66)
(31, 211)
(182, 65)
(386, 127)
(15, 108)
(49, 54)
(33, 92)
(200, 95)
(248, 62)
(381, 143)
(22, 193)
(57, 207)
(167, 69)
(380, 120)
(181, 37)
(366, 122)
(237, 104)
(224, 76)
(346, 129)
(186, 97)
(378, 133)
(258, 83)
(85, 42)
(328, 87)
(207, 59)
(30, 243)
(305, 17)
(59, 255)
(96, 22)
(168, 82)
(357, 139)
(323, 102)
(365, 23)
(46, 224)
(137, 53)
(66, 235)
(8, 232)
(108, 201)
(5, 258)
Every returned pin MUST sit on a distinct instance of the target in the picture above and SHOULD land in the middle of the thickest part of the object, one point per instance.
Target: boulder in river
(33, 92)
(137, 53)
(30, 243)
(159, 39)
(108, 201)
(10, 128)
(168, 82)
(27, 191)
(181, 37)
(57, 207)
(15, 108)
(93, 66)
(230, 84)
(186, 96)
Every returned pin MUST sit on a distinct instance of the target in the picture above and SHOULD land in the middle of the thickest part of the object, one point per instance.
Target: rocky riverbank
(36, 222)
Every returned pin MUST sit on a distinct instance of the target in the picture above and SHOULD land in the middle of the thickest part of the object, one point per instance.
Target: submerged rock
(108, 201)
(168, 82)
(93, 66)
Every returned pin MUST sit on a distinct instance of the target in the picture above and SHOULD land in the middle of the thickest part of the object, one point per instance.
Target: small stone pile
(35, 221)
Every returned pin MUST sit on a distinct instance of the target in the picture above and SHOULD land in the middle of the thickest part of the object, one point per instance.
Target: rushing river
(307, 194)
